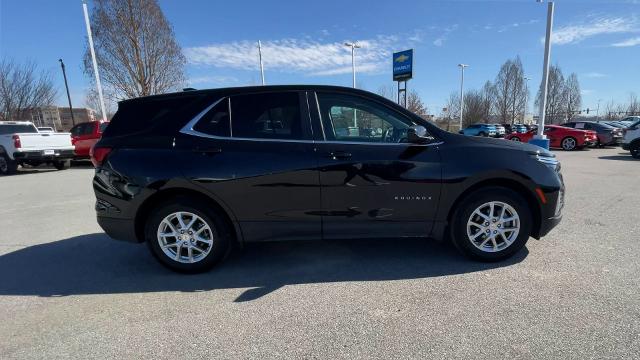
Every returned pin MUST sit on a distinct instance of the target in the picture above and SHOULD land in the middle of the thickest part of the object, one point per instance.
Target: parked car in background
(631, 140)
(507, 128)
(518, 128)
(480, 130)
(45, 129)
(560, 137)
(607, 134)
(21, 143)
(500, 131)
(613, 124)
(222, 167)
(85, 135)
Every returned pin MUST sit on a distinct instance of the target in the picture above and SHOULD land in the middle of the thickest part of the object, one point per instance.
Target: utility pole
(526, 96)
(95, 62)
(66, 85)
(598, 110)
(545, 78)
(353, 45)
(261, 67)
(462, 66)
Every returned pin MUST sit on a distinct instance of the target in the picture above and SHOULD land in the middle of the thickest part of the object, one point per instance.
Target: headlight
(551, 162)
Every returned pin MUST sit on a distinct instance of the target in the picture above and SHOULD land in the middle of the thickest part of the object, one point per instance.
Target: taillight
(98, 155)
(16, 141)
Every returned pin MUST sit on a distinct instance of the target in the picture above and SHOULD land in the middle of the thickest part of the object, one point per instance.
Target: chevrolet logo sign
(402, 58)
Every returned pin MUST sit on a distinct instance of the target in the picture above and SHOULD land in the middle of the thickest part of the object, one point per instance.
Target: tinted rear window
(17, 128)
(268, 115)
(141, 115)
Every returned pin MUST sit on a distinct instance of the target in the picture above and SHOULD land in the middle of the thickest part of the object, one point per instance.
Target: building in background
(58, 118)
(80, 115)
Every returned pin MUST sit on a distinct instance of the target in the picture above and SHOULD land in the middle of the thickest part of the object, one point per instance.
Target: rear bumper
(39, 155)
(119, 229)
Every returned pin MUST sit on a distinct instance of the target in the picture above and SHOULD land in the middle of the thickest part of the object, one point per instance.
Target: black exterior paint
(313, 188)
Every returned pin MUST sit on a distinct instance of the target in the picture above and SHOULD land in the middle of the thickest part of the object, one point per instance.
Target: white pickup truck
(21, 143)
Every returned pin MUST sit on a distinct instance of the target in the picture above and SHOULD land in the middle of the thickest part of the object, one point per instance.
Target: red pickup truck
(560, 137)
(84, 135)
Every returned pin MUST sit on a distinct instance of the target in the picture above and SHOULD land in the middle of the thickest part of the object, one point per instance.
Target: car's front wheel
(187, 235)
(635, 150)
(491, 224)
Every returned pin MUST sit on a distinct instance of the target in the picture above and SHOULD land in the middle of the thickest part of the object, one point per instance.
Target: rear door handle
(339, 155)
(207, 150)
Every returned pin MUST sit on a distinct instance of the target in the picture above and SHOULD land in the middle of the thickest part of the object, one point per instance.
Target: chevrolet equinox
(195, 173)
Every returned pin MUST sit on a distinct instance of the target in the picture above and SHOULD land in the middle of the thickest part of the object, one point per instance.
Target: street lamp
(526, 95)
(540, 139)
(354, 45)
(64, 74)
(462, 66)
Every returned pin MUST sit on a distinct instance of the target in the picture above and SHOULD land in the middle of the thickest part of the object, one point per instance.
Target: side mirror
(417, 134)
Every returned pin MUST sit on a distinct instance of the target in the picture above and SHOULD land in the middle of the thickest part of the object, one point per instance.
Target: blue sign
(403, 65)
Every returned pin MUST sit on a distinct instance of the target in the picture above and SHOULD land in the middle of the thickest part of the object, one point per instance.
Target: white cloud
(628, 42)
(439, 41)
(299, 55)
(594, 75)
(573, 34)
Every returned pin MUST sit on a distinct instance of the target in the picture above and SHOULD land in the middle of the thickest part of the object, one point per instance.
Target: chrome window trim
(188, 130)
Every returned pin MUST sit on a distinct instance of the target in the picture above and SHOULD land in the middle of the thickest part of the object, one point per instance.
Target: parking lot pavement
(69, 291)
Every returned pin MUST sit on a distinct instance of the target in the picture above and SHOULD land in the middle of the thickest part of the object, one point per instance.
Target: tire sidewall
(466, 208)
(11, 165)
(212, 218)
(635, 150)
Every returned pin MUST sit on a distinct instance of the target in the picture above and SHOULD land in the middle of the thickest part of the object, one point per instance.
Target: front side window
(266, 116)
(354, 119)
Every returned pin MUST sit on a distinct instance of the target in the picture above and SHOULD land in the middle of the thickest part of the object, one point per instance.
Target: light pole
(462, 66)
(526, 95)
(353, 45)
(64, 74)
(598, 110)
(261, 66)
(95, 62)
(540, 139)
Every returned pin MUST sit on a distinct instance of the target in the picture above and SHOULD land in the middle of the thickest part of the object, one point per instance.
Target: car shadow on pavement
(95, 264)
(626, 157)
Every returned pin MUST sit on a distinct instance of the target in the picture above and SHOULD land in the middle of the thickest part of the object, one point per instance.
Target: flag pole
(95, 63)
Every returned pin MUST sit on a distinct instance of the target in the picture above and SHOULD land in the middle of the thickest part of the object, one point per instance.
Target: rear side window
(139, 115)
(216, 121)
(17, 128)
(266, 116)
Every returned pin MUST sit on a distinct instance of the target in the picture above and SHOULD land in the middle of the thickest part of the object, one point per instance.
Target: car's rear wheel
(515, 138)
(569, 143)
(7, 166)
(482, 133)
(492, 224)
(635, 150)
(187, 235)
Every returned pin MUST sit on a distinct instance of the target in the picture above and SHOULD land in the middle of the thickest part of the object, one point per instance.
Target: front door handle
(339, 155)
(208, 150)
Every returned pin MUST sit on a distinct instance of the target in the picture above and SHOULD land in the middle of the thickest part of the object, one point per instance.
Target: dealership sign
(403, 65)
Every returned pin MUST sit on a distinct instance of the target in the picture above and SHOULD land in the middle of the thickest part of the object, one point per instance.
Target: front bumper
(44, 155)
(547, 224)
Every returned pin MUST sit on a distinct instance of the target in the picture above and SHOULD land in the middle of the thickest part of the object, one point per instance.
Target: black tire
(62, 164)
(466, 208)
(7, 166)
(516, 139)
(634, 149)
(483, 134)
(221, 234)
(568, 147)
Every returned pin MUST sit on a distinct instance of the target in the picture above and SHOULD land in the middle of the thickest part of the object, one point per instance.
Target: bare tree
(556, 96)
(92, 101)
(510, 91)
(574, 97)
(633, 107)
(415, 104)
(136, 49)
(453, 109)
(22, 87)
(389, 92)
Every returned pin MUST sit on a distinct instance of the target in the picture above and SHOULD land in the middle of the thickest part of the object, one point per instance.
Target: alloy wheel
(515, 138)
(4, 167)
(569, 144)
(493, 226)
(185, 237)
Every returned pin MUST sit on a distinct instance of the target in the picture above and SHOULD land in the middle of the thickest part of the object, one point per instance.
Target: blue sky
(302, 42)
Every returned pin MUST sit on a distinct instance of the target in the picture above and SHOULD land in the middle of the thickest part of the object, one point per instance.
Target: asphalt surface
(68, 291)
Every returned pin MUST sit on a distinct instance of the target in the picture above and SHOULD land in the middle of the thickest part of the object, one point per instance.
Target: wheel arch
(166, 194)
(511, 184)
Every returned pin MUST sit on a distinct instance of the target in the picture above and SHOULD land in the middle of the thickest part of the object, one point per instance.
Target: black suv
(197, 172)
